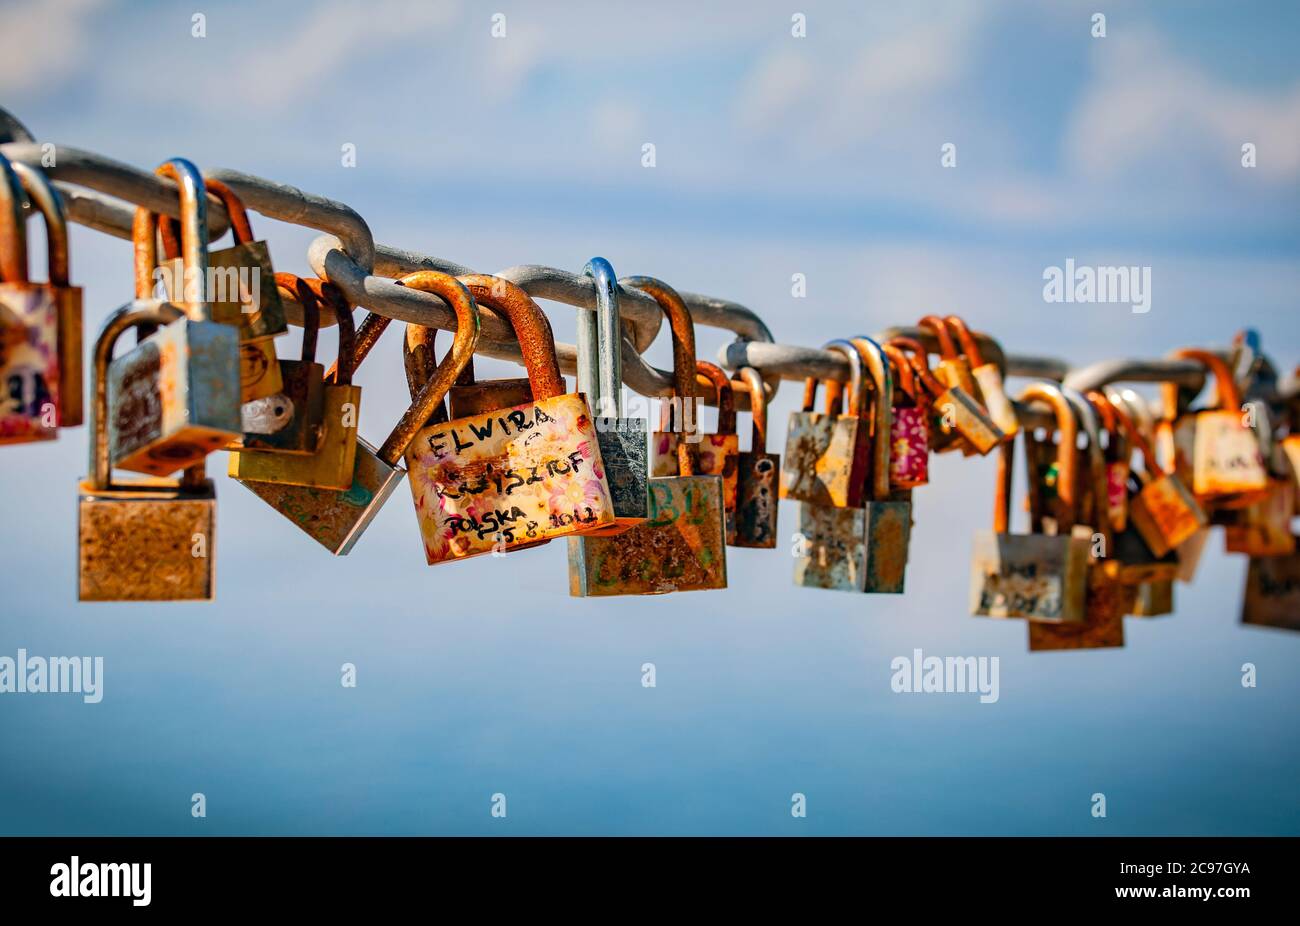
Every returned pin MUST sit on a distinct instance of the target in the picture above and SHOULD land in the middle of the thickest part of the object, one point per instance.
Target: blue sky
(774, 155)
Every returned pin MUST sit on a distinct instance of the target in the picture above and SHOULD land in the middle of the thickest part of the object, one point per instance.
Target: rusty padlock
(957, 420)
(335, 399)
(147, 539)
(174, 397)
(243, 293)
(682, 545)
(1118, 453)
(1272, 596)
(860, 549)
(757, 488)
(1217, 453)
(990, 391)
(828, 455)
(1039, 576)
(954, 369)
(719, 453)
(624, 448)
(515, 475)
(336, 519)
(909, 439)
(29, 325)
(1264, 528)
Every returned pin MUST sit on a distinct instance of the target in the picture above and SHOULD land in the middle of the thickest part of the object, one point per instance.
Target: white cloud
(43, 42)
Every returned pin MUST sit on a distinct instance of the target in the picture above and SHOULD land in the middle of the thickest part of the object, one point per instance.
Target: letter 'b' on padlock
(682, 545)
(148, 539)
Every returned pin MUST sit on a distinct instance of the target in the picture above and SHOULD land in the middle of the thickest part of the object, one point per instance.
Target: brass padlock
(990, 391)
(954, 369)
(512, 476)
(336, 519)
(1107, 599)
(719, 453)
(291, 421)
(338, 401)
(909, 440)
(860, 549)
(682, 545)
(1039, 576)
(955, 415)
(148, 539)
(1272, 596)
(624, 449)
(828, 455)
(29, 327)
(174, 397)
(758, 472)
(244, 294)
(1217, 453)
(1265, 526)
(45, 198)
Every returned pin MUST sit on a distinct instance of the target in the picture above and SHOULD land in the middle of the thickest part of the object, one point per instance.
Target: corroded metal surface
(854, 549)
(506, 478)
(1273, 592)
(174, 398)
(753, 523)
(826, 459)
(623, 452)
(335, 519)
(480, 398)
(680, 547)
(1036, 576)
(1265, 528)
(1103, 623)
(29, 363)
(719, 455)
(329, 467)
(147, 540)
(1154, 599)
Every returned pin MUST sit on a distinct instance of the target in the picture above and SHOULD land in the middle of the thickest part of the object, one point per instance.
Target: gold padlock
(955, 413)
(988, 380)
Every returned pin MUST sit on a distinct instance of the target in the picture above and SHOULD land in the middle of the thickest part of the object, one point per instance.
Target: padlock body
(241, 290)
(1117, 473)
(259, 370)
(174, 397)
(753, 523)
(30, 376)
(680, 547)
(1265, 527)
(826, 459)
(854, 549)
(294, 421)
(465, 400)
(1166, 514)
(147, 540)
(968, 419)
(72, 387)
(330, 467)
(624, 451)
(1223, 456)
(1106, 603)
(909, 448)
(994, 395)
(1036, 576)
(510, 477)
(1272, 596)
(335, 519)
(719, 455)
(1135, 563)
(1154, 599)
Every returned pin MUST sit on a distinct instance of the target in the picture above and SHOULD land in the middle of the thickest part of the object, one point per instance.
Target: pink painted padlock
(909, 429)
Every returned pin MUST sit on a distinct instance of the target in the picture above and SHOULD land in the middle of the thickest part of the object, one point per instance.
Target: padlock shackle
(328, 294)
(1121, 417)
(194, 239)
(726, 396)
(13, 227)
(169, 230)
(857, 404)
(1227, 397)
(903, 372)
(757, 407)
(1096, 469)
(47, 200)
(683, 335)
(939, 328)
(877, 364)
(531, 327)
(606, 360)
(920, 365)
(1067, 451)
(132, 315)
(420, 360)
(457, 295)
(293, 287)
(969, 344)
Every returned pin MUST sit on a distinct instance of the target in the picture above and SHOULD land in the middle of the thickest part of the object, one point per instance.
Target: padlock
(953, 411)
(682, 545)
(1154, 599)
(719, 453)
(1265, 526)
(1106, 599)
(624, 448)
(46, 199)
(29, 327)
(147, 539)
(1218, 454)
(860, 549)
(174, 397)
(909, 439)
(1039, 576)
(331, 464)
(512, 476)
(242, 274)
(471, 396)
(1272, 596)
(990, 391)
(828, 455)
(1118, 453)
(757, 489)
(336, 519)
